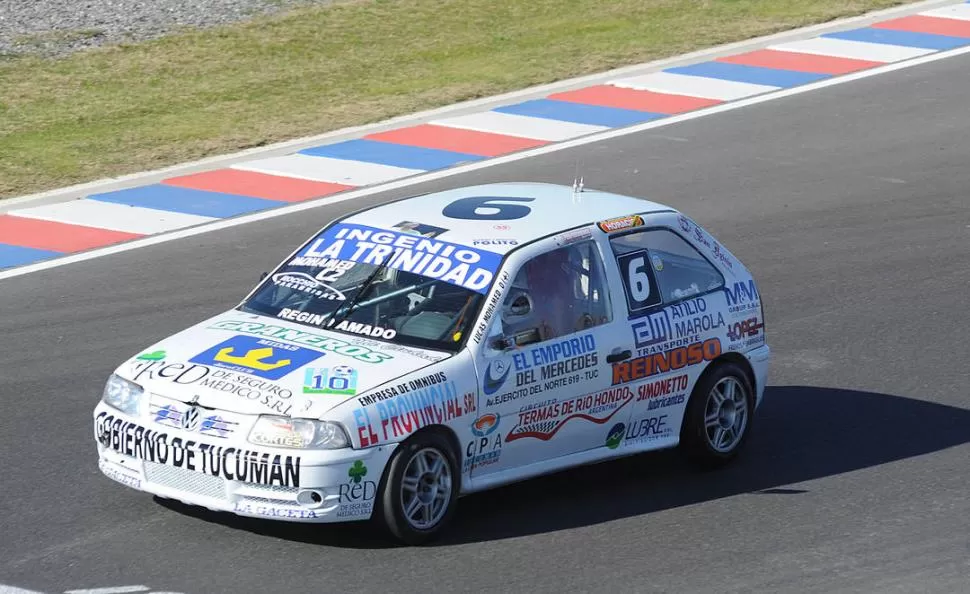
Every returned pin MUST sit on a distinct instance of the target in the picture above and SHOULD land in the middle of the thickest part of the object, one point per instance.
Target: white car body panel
(513, 415)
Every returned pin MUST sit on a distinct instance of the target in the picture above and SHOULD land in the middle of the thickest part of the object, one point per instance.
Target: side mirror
(504, 343)
(263, 276)
(521, 305)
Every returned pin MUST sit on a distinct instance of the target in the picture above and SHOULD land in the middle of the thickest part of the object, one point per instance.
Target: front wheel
(719, 416)
(421, 489)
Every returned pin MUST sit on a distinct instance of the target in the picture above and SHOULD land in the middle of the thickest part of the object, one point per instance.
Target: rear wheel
(421, 489)
(719, 416)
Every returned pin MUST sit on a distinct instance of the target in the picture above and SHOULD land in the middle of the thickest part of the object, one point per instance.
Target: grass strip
(127, 108)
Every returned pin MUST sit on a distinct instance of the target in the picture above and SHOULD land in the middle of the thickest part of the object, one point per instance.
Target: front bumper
(235, 476)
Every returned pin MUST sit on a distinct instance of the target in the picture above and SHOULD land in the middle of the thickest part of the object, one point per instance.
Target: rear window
(659, 265)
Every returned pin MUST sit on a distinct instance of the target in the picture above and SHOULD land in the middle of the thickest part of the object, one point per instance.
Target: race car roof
(539, 210)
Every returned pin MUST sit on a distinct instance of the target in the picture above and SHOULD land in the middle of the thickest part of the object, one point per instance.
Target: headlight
(124, 395)
(284, 432)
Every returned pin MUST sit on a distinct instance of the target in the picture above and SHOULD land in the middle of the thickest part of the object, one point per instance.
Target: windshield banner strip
(459, 265)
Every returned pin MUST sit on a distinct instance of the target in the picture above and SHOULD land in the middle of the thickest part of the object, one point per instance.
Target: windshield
(395, 286)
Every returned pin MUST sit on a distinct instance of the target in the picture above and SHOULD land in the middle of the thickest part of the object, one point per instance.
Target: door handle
(622, 355)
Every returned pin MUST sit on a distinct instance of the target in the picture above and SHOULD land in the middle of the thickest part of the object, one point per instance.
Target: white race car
(443, 344)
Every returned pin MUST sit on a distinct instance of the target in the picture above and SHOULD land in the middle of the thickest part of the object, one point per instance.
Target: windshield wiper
(365, 288)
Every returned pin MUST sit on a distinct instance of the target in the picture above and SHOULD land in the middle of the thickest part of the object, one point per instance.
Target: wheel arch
(741, 361)
(450, 436)
(730, 357)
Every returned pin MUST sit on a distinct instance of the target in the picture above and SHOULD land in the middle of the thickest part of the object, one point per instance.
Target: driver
(551, 282)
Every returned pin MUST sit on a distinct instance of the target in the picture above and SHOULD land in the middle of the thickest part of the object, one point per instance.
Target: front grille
(185, 480)
(274, 488)
(274, 494)
(269, 501)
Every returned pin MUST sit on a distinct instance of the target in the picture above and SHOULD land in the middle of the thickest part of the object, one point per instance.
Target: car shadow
(801, 433)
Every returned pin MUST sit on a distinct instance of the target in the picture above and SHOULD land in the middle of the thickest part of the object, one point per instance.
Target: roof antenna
(577, 185)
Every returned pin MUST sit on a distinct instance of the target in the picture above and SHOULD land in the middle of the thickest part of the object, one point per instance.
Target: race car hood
(253, 364)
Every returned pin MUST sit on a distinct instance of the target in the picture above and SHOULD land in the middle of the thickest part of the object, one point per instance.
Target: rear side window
(658, 265)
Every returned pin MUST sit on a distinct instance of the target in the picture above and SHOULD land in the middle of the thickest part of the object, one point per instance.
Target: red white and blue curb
(37, 232)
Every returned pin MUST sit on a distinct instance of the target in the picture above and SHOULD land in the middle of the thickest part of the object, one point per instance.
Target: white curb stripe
(112, 216)
(959, 12)
(857, 50)
(521, 126)
(327, 169)
(694, 86)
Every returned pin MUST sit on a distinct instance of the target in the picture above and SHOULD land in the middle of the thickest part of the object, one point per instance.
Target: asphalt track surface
(850, 204)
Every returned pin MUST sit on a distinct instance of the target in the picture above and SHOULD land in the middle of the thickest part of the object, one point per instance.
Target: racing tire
(420, 489)
(719, 416)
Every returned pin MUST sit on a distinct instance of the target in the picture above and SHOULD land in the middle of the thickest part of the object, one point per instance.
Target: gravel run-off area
(61, 27)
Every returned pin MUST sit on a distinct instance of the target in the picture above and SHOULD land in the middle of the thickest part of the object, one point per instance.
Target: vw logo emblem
(190, 418)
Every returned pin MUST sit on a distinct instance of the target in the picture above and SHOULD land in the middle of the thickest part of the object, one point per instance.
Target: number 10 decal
(638, 280)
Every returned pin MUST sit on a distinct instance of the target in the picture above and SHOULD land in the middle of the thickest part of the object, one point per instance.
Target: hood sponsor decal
(230, 463)
(341, 380)
(459, 265)
(153, 356)
(261, 357)
(242, 385)
(317, 341)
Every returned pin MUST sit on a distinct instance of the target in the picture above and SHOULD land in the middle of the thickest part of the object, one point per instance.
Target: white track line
(115, 590)
(5, 589)
(494, 162)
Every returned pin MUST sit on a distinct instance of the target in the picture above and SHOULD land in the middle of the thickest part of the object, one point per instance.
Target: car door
(544, 374)
(675, 308)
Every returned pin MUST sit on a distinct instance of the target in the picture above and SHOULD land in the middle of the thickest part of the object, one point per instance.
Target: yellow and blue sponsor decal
(261, 357)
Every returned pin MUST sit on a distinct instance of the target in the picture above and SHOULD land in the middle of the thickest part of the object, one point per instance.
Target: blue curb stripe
(15, 255)
(186, 201)
(904, 38)
(579, 113)
(757, 75)
(388, 153)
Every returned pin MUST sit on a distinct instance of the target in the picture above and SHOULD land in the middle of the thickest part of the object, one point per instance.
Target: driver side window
(556, 293)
